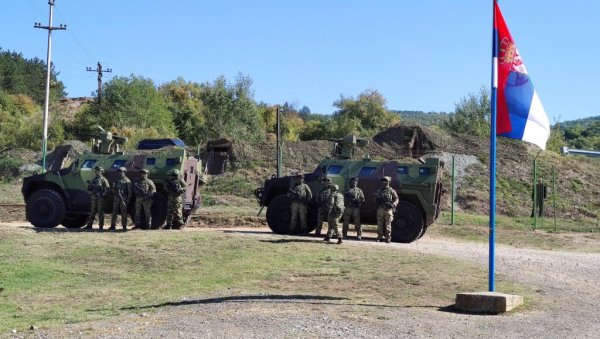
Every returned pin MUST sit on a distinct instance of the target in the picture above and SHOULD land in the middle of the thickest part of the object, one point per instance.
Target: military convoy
(418, 186)
(60, 197)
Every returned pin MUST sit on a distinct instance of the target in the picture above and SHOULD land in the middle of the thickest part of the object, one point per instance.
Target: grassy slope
(53, 277)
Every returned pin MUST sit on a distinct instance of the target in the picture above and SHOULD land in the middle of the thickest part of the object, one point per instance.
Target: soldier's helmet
(122, 169)
(327, 179)
(99, 169)
(299, 175)
(386, 178)
(143, 170)
(354, 179)
(174, 172)
(334, 187)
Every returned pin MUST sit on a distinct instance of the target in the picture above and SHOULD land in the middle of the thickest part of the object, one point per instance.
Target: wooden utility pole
(100, 71)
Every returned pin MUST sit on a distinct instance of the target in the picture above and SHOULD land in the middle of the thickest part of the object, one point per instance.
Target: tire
(74, 220)
(408, 223)
(45, 208)
(279, 215)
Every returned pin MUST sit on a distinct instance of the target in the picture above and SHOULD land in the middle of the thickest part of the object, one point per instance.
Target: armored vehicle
(61, 196)
(418, 186)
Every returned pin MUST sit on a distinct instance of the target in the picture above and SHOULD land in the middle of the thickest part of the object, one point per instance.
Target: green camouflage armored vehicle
(418, 185)
(60, 197)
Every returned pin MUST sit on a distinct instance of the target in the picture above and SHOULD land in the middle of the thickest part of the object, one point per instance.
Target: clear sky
(421, 55)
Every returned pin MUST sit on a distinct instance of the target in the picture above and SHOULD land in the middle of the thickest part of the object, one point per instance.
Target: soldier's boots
(359, 238)
(327, 238)
(112, 228)
(345, 235)
(379, 239)
(387, 241)
(340, 241)
(167, 227)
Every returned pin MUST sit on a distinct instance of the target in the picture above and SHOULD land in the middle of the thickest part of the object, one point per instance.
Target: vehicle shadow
(72, 230)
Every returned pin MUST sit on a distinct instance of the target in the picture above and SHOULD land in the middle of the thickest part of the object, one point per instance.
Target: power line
(100, 71)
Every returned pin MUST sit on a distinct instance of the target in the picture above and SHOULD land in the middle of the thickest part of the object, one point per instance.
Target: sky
(421, 55)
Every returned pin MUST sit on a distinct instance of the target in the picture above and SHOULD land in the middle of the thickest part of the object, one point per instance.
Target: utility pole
(49, 28)
(100, 71)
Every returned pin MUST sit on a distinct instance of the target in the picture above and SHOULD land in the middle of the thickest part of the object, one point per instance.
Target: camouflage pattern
(335, 205)
(322, 211)
(300, 195)
(176, 188)
(122, 195)
(387, 200)
(98, 188)
(353, 199)
(144, 190)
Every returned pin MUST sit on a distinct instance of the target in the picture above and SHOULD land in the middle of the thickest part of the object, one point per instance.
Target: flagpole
(492, 230)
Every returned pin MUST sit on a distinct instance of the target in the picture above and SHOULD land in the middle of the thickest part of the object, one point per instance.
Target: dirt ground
(566, 282)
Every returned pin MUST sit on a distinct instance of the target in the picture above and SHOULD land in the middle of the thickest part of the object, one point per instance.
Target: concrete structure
(487, 302)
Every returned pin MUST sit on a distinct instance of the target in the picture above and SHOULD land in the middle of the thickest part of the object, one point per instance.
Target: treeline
(582, 133)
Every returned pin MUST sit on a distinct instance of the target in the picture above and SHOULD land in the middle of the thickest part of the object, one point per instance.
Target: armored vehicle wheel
(74, 220)
(279, 215)
(45, 208)
(408, 223)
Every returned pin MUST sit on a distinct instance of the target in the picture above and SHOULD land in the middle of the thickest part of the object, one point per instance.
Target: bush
(9, 168)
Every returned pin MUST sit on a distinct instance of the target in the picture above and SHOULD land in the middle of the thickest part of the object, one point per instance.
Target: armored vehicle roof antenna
(344, 148)
(104, 142)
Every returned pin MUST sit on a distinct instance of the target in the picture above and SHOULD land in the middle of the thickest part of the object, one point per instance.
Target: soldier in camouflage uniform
(122, 194)
(176, 189)
(98, 187)
(144, 190)
(300, 195)
(335, 205)
(386, 200)
(353, 198)
(321, 211)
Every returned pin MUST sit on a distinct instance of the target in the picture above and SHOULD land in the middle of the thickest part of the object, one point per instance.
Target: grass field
(54, 277)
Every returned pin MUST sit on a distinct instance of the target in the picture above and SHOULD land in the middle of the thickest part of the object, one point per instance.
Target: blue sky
(421, 55)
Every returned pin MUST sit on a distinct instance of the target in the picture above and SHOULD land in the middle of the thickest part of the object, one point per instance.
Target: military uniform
(300, 195)
(322, 212)
(353, 198)
(386, 200)
(122, 194)
(176, 190)
(335, 205)
(98, 187)
(144, 190)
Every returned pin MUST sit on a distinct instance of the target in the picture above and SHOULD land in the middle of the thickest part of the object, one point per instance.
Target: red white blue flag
(520, 114)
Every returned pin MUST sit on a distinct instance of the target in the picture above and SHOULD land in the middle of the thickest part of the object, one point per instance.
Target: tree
(28, 76)
(471, 115)
(365, 115)
(131, 101)
(230, 110)
(187, 109)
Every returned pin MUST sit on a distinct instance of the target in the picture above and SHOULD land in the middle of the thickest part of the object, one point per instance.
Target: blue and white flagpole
(493, 151)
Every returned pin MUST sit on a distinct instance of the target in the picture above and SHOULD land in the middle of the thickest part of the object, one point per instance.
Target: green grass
(49, 278)
(10, 192)
(574, 235)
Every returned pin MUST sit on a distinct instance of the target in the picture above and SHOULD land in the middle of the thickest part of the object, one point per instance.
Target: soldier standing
(122, 195)
(353, 199)
(176, 189)
(98, 187)
(541, 193)
(386, 200)
(300, 195)
(144, 190)
(322, 212)
(335, 205)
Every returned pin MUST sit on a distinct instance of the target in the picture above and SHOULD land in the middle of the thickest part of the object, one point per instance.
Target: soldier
(386, 200)
(122, 195)
(176, 190)
(353, 198)
(322, 213)
(335, 205)
(98, 187)
(144, 190)
(541, 193)
(300, 195)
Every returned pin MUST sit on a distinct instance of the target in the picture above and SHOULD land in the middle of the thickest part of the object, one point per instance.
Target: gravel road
(567, 282)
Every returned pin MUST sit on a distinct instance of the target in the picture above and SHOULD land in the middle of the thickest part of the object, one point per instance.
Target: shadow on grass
(286, 241)
(74, 230)
(248, 232)
(279, 298)
(242, 298)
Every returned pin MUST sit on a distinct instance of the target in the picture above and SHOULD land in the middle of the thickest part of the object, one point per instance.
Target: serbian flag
(519, 113)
